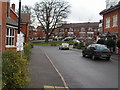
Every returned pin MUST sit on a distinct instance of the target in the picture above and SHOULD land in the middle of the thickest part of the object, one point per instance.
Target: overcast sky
(81, 10)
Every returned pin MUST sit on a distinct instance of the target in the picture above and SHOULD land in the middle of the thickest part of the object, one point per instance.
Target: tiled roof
(110, 9)
(11, 22)
(80, 25)
(25, 18)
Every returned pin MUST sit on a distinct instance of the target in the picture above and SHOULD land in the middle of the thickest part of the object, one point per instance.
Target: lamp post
(19, 35)
(19, 17)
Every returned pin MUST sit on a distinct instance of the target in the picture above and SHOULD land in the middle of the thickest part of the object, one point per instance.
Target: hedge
(15, 68)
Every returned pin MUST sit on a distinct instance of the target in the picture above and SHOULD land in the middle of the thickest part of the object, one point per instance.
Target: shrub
(53, 44)
(110, 43)
(118, 43)
(101, 41)
(27, 51)
(78, 45)
(14, 70)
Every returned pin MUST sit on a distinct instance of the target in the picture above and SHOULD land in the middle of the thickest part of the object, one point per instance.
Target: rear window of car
(101, 47)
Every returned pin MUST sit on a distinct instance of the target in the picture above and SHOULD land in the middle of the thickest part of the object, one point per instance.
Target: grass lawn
(50, 43)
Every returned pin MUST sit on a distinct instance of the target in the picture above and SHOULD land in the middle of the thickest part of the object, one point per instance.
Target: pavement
(42, 73)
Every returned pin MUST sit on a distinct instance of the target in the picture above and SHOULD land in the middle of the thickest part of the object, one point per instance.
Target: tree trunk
(47, 38)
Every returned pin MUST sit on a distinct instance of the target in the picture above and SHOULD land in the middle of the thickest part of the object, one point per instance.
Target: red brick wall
(25, 29)
(13, 15)
(111, 29)
(3, 19)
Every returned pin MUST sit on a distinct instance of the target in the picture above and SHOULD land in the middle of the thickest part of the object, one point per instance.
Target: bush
(14, 70)
(110, 43)
(78, 45)
(53, 44)
(118, 43)
(101, 41)
(27, 51)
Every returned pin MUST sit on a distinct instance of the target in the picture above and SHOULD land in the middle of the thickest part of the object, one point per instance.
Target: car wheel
(93, 57)
(108, 58)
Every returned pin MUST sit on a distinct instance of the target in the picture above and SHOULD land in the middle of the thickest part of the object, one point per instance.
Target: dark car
(97, 51)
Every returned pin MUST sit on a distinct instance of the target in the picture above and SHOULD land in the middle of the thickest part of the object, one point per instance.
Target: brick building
(111, 22)
(8, 26)
(3, 14)
(25, 25)
(81, 31)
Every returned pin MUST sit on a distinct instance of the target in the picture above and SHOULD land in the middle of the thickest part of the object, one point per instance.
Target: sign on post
(20, 40)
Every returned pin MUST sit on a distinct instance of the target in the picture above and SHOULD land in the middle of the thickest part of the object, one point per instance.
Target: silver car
(64, 46)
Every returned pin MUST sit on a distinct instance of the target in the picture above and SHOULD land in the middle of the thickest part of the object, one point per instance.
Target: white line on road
(64, 82)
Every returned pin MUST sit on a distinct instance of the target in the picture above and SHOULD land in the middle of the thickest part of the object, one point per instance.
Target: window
(62, 30)
(10, 37)
(82, 29)
(115, 20)
(70, 29)
(90, 29)
(90, 34)
(108, 22)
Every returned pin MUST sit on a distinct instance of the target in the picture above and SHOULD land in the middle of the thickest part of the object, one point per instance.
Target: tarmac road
(80, 72)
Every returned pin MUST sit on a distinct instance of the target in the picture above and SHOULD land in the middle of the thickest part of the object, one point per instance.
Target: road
(80, 72)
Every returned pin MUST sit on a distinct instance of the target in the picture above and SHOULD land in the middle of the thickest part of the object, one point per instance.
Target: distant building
(81, 31)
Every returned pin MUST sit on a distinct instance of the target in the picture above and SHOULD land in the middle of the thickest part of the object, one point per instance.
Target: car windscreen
(102, 47)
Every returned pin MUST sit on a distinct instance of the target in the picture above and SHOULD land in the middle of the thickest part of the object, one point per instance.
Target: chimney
(13, 6)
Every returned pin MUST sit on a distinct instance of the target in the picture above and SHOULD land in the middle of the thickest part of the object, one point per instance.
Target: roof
(25, 18)
(11, 22)
(93, 25)
(112, 8)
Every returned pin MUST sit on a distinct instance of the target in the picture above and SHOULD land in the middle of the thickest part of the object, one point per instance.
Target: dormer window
(90, 29)
(70, 29)
(82, 29)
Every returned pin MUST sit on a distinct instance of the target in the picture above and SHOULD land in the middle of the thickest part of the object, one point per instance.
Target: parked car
(64, 46)
(97, 51)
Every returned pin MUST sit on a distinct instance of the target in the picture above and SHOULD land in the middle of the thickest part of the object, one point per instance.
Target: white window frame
(90, 34)
(115, 21)
(90, 29)
(82, 29)
(107, 22)
(9, 43)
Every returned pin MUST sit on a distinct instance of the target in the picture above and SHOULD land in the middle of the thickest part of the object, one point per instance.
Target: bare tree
(50, 14)
(28, 9)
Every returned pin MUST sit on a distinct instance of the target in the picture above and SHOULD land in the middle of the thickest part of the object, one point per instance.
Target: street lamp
(19, 17)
